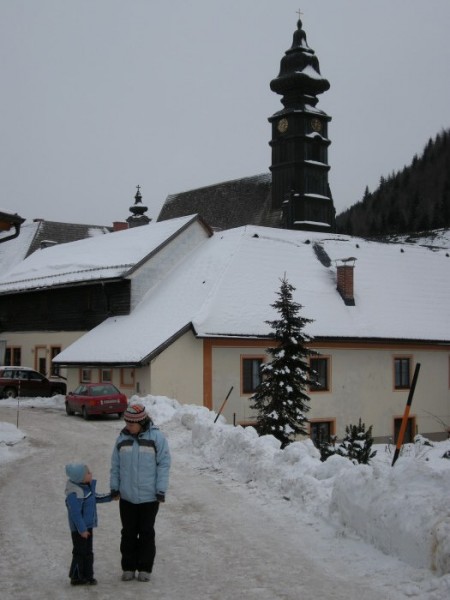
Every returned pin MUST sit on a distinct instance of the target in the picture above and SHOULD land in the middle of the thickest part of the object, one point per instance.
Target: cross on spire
(138, 187)
(299, 12)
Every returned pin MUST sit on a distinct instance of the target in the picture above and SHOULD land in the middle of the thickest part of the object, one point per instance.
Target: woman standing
(140, 466)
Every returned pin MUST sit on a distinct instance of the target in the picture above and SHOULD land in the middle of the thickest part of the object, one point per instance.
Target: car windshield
(81, 390)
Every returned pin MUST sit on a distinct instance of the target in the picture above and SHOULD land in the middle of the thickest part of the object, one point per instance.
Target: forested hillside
(414, 199)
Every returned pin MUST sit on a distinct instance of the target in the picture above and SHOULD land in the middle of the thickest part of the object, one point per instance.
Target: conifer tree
(357, 444)
(280, 399)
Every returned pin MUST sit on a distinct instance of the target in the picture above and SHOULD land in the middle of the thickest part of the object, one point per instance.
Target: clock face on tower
(316, 125)
(282, 125)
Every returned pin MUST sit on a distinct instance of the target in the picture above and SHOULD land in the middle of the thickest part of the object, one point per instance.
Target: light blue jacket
(140, 465)
(81, 502)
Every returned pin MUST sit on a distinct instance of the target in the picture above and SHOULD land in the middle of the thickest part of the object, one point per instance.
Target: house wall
(362, 385)
(151, 272)
(35, 344)
(178, 371)
(125, 379)
(65, 308)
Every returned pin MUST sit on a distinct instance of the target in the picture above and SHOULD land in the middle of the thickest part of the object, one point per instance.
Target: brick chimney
(120, 225)
(345, 271)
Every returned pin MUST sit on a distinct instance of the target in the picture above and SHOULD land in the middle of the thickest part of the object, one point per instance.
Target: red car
(96, 399)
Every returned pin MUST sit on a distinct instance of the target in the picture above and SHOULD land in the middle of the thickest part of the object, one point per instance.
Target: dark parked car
(22, 381)
(96, 399)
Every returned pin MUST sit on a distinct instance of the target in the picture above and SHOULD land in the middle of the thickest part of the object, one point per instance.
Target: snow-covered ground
(243, 519)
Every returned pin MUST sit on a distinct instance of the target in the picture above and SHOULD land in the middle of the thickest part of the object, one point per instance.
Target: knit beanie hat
(76, 472)
(136, 413)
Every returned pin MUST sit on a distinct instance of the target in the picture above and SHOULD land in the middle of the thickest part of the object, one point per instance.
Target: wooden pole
(223, 404)
(401, 434)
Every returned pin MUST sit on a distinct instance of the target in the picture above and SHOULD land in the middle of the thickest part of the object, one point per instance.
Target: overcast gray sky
(98, 96)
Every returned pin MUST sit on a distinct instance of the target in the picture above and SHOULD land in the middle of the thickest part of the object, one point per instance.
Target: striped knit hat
(135, 413)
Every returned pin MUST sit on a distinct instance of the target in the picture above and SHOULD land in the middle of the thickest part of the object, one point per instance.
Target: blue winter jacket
(140, 465)
(81, 502)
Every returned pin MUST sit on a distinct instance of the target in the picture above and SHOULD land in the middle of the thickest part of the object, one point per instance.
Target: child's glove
(160, 497)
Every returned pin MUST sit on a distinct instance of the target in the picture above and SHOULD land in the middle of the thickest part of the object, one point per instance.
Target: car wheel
(69, 411)
(84, 413)
(120, 415)
(10, 393)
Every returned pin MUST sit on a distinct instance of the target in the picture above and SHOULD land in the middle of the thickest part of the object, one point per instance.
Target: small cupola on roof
(300, 189)
(137, 211)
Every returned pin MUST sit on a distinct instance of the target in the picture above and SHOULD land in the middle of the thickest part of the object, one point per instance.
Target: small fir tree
(326, 448)
(280, 399)
(357, 444)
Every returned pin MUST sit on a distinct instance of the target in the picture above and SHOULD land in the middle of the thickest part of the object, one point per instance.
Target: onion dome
(299, 80)
(137, 211)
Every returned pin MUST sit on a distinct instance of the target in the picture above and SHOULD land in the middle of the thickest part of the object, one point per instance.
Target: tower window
(316, 151)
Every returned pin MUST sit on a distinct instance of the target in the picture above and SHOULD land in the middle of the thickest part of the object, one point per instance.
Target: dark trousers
(137, 545)
(82, 567)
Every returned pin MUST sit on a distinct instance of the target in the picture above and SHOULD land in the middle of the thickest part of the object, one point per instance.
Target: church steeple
(137, 211)
(300, 189)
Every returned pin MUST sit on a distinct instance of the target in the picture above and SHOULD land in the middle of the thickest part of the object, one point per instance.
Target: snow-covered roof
(99, 257)
(227, 285)
(39, 231)
(15, 250)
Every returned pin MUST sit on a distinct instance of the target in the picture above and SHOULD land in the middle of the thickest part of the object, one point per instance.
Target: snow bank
(402, 510)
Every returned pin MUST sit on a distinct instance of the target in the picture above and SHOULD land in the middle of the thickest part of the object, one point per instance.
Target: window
(321, 368)
(251, 373)
(33, 376)
(54, 369)
(13, 356)
(85, 375)
(402, 373)
(316, 153)
(321, 431)
(106, 376)
(42, 365)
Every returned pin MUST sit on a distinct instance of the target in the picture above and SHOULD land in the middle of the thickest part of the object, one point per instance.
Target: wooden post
(401, 434)
(223, 404)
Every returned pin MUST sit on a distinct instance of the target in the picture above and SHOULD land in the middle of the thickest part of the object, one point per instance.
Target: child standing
(81, 502)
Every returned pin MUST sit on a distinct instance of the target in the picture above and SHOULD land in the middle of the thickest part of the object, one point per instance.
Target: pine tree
(326, 449)
(357, 444)
(280, 399)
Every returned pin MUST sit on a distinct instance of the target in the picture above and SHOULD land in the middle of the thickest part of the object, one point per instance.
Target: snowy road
(216, 539)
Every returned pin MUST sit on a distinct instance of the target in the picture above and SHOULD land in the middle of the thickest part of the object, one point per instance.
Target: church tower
(300, 190)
